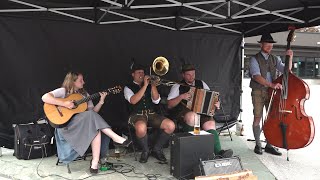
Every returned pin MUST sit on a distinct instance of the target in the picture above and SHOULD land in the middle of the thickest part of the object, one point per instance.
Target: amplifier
(219, 166)
(187, 151)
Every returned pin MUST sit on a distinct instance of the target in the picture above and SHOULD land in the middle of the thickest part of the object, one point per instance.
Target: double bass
(286, 123)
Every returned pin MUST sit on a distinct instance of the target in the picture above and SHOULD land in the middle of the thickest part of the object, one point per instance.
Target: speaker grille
(221, 166)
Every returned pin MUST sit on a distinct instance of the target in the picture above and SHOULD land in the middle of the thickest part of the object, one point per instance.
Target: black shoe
(272, 150)
(93, 171)
(225, 153)
(144, 157)
(126, 143)
(258, 149)
(159, 155)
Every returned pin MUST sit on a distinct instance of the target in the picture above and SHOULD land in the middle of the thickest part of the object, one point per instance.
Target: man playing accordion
(180, 95)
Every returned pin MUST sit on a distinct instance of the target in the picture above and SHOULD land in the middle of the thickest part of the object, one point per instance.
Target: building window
(306, 67)
(303, 67)
(298, 66)
(316, 68)
(246, 67)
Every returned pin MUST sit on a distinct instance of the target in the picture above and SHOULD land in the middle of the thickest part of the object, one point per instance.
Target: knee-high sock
(217, 145)
(163, 139)
(144, 143)
(256, 132)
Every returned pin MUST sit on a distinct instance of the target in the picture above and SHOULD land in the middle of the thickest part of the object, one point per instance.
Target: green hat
(135, 67)
(187, 67)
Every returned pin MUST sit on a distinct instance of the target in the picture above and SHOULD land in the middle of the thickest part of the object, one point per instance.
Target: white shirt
(128, 93)
(61, 93)
(174, 91)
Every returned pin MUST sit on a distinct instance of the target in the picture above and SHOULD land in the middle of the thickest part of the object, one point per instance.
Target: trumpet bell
(160, 66)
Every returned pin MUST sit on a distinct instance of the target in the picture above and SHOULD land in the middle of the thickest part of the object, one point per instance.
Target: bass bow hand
(276, 86)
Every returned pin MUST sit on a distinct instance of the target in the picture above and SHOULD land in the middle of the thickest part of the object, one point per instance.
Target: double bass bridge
(285, 111)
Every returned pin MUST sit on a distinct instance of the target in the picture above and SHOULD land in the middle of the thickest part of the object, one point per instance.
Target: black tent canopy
(248, 17)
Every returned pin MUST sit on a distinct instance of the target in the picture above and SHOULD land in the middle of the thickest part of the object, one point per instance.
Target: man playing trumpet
(142, 98)
(180, 95)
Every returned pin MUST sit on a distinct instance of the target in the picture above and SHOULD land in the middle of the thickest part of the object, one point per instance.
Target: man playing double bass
(263, 67)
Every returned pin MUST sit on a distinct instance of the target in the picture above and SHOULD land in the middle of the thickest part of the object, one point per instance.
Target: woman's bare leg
(95, 146)
(115, 137)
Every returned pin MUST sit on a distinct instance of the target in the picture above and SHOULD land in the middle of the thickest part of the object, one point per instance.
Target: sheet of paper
(201, 133)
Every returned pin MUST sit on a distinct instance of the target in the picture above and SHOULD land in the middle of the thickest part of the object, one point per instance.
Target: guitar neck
(88, 98)
(114, 90)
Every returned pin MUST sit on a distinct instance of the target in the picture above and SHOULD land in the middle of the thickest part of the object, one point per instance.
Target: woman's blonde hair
(68, 83)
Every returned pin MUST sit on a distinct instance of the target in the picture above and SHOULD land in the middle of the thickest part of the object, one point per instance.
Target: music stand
(225, 119)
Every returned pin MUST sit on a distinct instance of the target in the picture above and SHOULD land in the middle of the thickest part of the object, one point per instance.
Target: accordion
(202, 101)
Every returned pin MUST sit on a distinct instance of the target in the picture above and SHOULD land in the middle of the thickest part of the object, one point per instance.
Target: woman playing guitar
(85, 127)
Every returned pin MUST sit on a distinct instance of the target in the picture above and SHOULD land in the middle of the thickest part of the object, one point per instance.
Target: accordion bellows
(202, 101)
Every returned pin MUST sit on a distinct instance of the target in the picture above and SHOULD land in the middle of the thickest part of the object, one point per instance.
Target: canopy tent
(248, 17)
(42, 40)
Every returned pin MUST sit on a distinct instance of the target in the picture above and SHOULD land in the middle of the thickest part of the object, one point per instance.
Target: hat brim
(185, 70)
(267, 41)
(138, 67)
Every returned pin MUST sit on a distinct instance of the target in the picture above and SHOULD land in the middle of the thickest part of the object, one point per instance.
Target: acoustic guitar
(59, 115)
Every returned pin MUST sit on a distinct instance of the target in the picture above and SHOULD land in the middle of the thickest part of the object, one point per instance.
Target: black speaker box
(186, 152)
(219, 166)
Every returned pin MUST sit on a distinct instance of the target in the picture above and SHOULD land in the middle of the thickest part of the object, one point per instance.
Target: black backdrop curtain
(36, 54)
